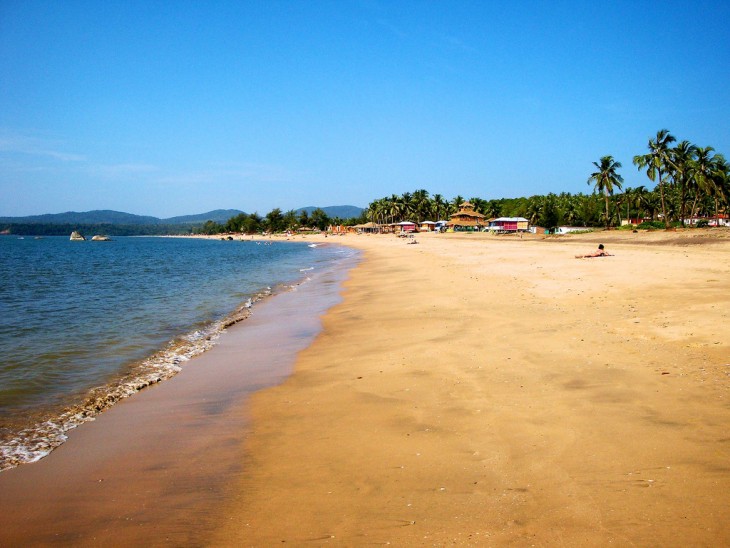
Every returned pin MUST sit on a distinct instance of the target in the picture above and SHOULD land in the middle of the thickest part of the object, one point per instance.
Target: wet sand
(478, 390)
(154, 468)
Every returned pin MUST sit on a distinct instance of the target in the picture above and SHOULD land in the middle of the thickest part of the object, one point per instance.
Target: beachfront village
(691, 188)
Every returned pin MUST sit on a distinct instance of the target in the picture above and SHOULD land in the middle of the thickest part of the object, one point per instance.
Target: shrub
(651, 225)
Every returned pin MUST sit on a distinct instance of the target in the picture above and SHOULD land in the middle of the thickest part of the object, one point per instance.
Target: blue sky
(170, 108)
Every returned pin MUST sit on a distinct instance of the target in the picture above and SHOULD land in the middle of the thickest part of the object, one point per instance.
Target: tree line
(276, 221)
(690, 182)
(91, 229)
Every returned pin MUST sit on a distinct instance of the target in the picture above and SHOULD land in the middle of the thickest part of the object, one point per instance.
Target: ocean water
(85, 324)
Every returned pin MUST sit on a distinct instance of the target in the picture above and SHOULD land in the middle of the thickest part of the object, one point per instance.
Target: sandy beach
(468, 390)
(478, 390)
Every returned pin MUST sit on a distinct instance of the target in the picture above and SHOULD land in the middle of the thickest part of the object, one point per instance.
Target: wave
(37, 441)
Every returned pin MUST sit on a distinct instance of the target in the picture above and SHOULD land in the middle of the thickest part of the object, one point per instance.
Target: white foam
(32, 444)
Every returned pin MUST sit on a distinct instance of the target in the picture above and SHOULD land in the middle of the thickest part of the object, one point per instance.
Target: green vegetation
(276, 221)
(606, 179)
(548, 211)
(683, 174)
(690, 182)
(108, 229)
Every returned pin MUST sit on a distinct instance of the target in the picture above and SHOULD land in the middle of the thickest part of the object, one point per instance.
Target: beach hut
(467, 218)
(367, 228)
(407, 226)
(428, 226)
(509, 224)
(719, 220)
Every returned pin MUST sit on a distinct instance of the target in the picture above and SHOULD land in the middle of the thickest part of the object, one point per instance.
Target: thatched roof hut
(467, 216)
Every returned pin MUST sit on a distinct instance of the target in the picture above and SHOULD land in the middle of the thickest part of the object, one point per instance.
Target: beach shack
(467, 218)
(719, 220)
(406, 226)
(509, 224)
(367, 228)
(428, 226)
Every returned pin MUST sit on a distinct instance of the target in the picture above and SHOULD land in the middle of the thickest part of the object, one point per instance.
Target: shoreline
(31, 435)
(478, 390)
(147, 470)
(471, 389)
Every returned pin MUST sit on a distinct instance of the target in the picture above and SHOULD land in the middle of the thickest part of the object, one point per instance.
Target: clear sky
(179, 107)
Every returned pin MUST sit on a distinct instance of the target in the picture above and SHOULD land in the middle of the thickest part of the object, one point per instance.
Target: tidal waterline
(85, 324)
(154, 469)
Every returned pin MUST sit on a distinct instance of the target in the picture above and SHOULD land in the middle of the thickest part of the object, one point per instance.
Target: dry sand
(485, 390)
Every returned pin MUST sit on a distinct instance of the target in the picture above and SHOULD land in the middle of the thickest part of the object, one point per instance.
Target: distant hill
(218, 215)
(343, 212)
(87, 217)
(104, 216)
(109, 217)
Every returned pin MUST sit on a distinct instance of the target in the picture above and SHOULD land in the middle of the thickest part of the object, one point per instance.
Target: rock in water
(77, 237)
(100, 238)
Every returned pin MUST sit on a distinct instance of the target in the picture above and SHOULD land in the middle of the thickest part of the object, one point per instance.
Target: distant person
(600, 252)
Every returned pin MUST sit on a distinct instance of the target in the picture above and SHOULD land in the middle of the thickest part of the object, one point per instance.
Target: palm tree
(421, 205)
(480, 205)
(493, 209)
(703, 169)
(639, 198)
(682, 161)
(407, 206)
(290, 220)
(438, 205)
(606, 178)
(720, 183)
(535, 207)
(378, 210)
(657, 162)
(629, 199)
(456, 201)
(620, 200)
(395, 208)
(652, 203)
(570, 205)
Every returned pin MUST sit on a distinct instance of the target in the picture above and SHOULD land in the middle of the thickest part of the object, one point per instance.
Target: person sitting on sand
(600, 252)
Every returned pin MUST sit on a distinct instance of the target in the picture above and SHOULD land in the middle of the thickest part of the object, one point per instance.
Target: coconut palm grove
(686, 185)
(689, 187)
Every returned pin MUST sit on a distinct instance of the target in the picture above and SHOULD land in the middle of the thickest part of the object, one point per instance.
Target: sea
(85, 324)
